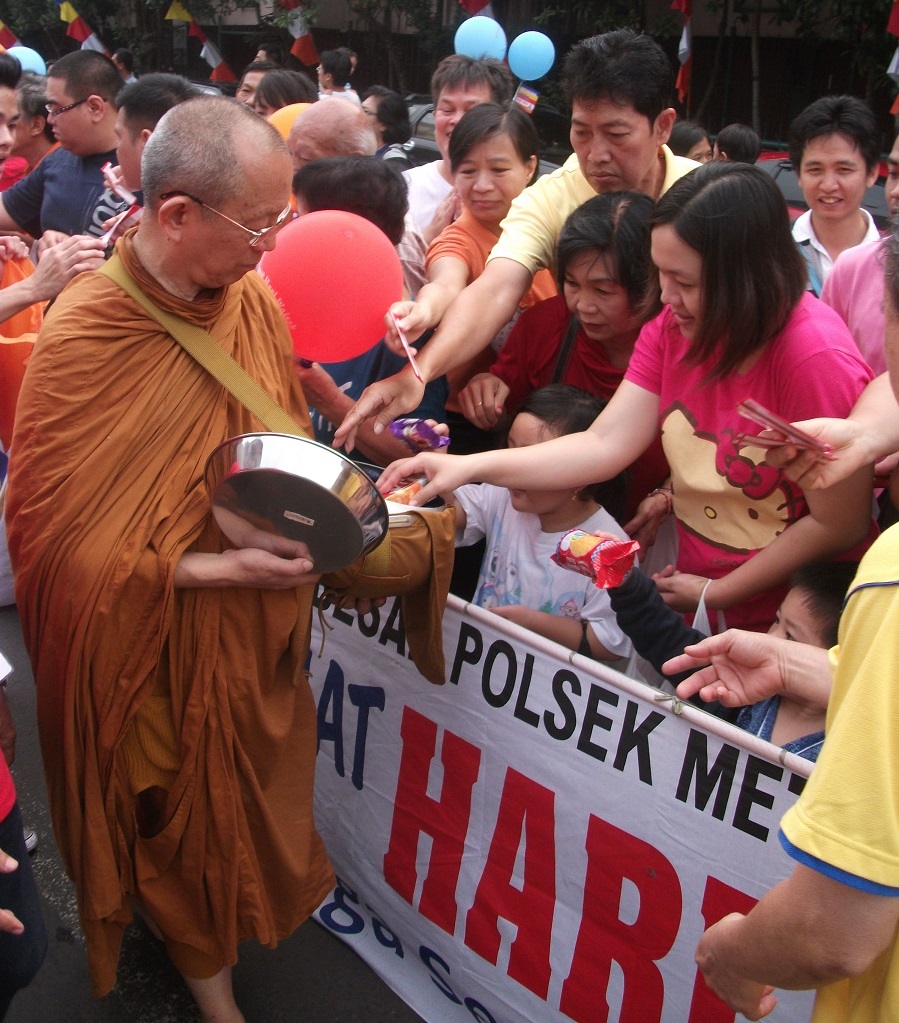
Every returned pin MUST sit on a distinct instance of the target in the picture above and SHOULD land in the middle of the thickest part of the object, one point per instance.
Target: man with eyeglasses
(62, 195)
(177, 729)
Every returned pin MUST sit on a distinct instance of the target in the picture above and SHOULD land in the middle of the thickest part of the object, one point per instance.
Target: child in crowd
(523, 527)
(809, 613)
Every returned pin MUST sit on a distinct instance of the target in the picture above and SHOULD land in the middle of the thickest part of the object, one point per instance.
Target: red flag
(474, 6)
(893, 23)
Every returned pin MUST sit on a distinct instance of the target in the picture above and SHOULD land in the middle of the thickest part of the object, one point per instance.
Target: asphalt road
(310, 978)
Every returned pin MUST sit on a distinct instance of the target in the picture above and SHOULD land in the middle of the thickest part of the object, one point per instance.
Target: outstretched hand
(445, 473)
(741, 668)
(851, 445)
(384, 400)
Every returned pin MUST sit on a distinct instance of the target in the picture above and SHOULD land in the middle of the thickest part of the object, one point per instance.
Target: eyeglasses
(256, 237)
(54, 109)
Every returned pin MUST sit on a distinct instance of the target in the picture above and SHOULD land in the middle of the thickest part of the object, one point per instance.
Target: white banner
(541, 838)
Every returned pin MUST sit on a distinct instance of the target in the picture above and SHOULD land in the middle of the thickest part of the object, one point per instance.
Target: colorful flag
(79, 29)
(481, 7)
(304, 45)
(221, 72)
(684, 50)
(7, 38)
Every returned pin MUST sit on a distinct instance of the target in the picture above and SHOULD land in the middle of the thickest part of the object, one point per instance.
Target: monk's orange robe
(106, 493)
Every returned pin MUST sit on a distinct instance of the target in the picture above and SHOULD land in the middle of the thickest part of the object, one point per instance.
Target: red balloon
(335, 275)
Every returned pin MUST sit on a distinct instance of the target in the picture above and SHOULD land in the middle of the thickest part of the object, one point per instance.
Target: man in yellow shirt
(619, 85)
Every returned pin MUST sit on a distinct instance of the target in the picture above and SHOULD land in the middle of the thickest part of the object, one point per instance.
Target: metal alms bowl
(276, 492)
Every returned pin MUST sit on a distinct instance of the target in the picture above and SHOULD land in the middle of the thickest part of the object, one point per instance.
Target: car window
(425, 128)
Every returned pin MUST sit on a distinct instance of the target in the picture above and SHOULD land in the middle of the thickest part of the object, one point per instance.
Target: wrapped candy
(418, 435)
(406, 489)
(602, 557)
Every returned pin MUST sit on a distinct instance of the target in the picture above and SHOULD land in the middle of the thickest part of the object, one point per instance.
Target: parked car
(778, 165)
(552, 127)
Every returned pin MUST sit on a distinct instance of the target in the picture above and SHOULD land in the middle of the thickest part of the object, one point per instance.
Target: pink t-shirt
(728, 503)
(854, 288)
(7, 790)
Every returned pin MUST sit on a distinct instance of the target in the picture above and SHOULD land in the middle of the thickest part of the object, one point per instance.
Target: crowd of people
(586, 336)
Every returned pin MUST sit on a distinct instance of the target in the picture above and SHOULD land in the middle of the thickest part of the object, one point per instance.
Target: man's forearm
(475, 317)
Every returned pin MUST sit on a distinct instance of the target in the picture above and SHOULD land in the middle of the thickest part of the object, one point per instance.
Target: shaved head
(199, 147)
(331, 127)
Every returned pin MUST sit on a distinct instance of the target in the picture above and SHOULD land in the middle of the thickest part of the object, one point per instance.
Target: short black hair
(753, 276)
(259, 65)
(280, 88)
(393, 115)
(824, 585)
(10, 71)
(363, 185)
(125, 58)
(151, 96)
(615, 225)
(738, 142)
(460, 71)
(274, 52)
(566, 409)
(836, 115)
(337, 65)
(485, 121)
(88, 73)
(623, 66)
(685, 135)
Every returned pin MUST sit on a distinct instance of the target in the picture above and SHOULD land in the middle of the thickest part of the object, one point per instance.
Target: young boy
(809, 613)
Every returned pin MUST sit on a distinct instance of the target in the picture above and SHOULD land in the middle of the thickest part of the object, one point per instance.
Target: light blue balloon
(480, 37)
(30, 59)
(531, 55)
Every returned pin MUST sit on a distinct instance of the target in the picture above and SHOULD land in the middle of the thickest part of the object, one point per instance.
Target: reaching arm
(623, 430)
(475, 317)
(870, 433)
(838, 518)
(806, 932)
(447, 278)
(56, 268)
(739, 668)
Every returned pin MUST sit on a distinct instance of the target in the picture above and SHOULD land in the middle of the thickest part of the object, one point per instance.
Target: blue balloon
(531, 55)
(480, 37)
(30, 59)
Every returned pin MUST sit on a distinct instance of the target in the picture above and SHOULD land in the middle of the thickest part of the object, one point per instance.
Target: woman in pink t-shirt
(736, 323)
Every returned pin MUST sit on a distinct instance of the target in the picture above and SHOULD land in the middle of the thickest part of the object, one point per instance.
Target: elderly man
(330, 129)
(177, 729)
(61, 194)
(620, 87)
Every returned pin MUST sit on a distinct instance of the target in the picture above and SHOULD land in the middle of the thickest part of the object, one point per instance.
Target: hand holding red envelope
(334, 275)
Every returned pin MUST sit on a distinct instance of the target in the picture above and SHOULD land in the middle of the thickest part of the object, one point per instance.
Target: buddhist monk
(177, 727)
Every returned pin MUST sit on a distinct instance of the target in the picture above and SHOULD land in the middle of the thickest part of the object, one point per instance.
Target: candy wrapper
(418, 435)
(600, 556)
(406, 489)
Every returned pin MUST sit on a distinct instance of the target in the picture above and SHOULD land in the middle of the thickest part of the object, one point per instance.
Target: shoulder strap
(814, 281)
(564, 355)
(211, 356)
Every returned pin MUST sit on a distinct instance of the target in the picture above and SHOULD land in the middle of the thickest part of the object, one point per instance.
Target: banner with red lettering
(541, 838)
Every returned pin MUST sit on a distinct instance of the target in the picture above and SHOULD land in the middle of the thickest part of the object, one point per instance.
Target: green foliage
(861, 24)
